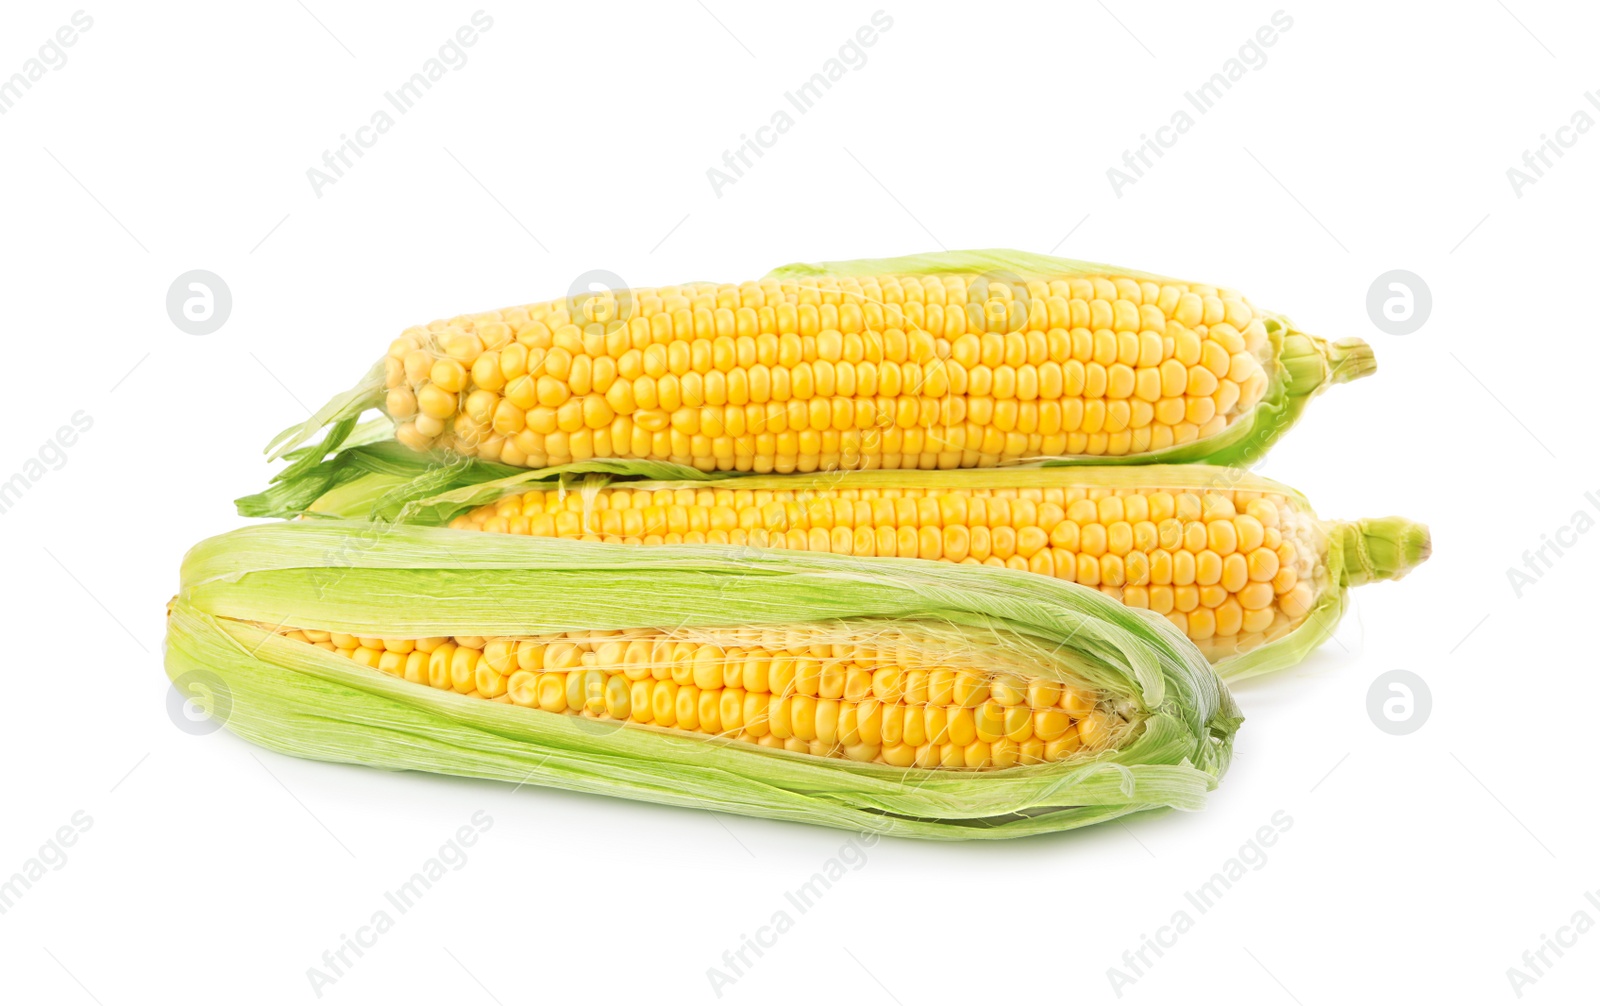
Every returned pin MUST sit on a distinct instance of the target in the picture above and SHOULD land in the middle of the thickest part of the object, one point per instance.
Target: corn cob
(873, 694)
(1238, 563)
(960, 360)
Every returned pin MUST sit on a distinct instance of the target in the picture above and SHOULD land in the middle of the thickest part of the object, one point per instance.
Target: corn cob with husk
(883, 694)
(1240, 564)
(954, 360)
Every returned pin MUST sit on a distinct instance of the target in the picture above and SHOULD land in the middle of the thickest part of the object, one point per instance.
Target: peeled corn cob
(873, 694)
(958, 360)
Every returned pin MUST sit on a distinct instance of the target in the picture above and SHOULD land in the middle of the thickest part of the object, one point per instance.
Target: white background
(577, 137)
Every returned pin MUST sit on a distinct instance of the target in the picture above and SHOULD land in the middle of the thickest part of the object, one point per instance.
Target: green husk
(1302, 366)
(338, 414)
(1001, 265)
(376, 479)
(397, 580)
(1382, 548)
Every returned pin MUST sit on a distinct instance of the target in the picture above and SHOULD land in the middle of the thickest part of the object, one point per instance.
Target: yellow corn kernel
(998, 354)
(1187, 553)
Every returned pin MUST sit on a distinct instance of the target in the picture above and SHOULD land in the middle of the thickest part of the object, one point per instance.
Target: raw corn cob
(955, 360)
(877, 694)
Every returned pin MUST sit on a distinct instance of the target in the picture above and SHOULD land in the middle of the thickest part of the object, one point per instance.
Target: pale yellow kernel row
(640, 374)
(1236, 567)
(829, 700)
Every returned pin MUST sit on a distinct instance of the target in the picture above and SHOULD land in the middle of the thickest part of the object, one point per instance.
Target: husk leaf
(400, 580)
